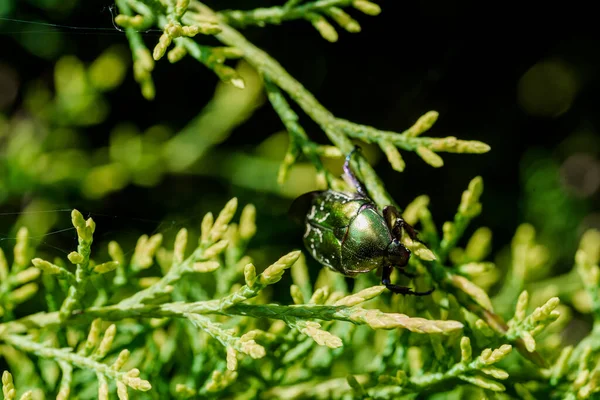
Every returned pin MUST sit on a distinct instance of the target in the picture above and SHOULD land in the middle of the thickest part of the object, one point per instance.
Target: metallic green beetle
(347, 233)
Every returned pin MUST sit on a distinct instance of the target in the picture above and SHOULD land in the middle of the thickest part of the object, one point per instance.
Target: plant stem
(162, 286)
(67, 356)
(82, 273)
(290, 120)
(404, 141)
(276, 15)
(356, 315)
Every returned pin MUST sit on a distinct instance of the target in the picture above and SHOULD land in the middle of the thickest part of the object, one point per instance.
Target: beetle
(348, 234)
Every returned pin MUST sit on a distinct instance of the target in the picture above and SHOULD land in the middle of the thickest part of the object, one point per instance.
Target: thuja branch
(338, 130)
(210, 246)
(316, 12)
(299, 141)
(234, 303)
(81, 258)
(41, 350)
(407, 141)
(87, 358)
(477, 372)
(276, 15)
(356, 315)
(275, 72)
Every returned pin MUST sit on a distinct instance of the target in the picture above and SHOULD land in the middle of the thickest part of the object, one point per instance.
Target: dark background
(406, 61)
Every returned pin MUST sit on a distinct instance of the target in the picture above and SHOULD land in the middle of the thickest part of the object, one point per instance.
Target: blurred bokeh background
(75, 130)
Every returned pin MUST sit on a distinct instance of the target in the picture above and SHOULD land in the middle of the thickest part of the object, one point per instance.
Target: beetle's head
(397, 253)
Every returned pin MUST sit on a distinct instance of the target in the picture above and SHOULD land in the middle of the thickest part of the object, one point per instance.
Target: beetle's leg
(385, 280)
(405, 273)
(352, 177)
(396, 223)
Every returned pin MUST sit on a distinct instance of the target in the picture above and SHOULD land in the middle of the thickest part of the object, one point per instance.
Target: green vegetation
(191, 316)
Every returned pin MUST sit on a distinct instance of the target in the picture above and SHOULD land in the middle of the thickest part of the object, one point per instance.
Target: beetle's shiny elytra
(346, 232)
